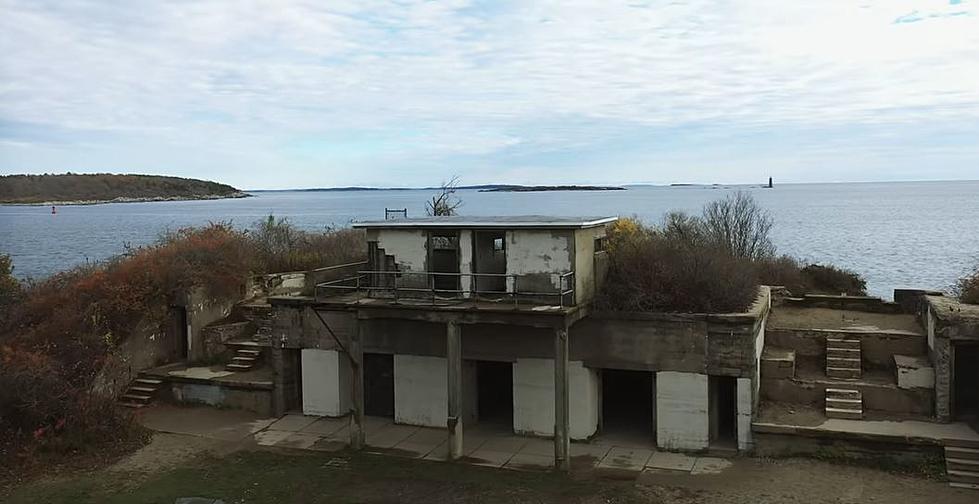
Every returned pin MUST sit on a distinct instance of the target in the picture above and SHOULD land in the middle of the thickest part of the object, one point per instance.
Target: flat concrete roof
(496, 222)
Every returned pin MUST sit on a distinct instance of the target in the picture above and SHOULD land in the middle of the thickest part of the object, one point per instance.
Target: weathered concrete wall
(248, 399)
(584, 270)
(682, 421)
(146, 347)
(746, 408)
(533, 397)
(889, 454)
(876, 397)
(584, 392)
(948, 322)
(465, 261)
(914, 372)
(420, 390)
(325, 383)
(201, 311)
(877, 348)
(538, 258)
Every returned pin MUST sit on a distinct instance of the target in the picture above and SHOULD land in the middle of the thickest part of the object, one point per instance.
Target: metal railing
(435, 286)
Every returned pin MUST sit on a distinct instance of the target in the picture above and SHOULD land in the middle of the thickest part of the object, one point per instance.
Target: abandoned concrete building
(456, 322)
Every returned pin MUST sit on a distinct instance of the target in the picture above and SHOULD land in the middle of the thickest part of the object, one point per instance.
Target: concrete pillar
(453, 354)
(745, 408)
(562, 439)
(358, 436)
(278, 384)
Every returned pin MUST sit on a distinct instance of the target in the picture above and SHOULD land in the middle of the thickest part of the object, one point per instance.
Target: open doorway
(723, 412)
(628, 405)
(379, 385)
(494, 394)
(180, 342)
(489, 262)
(443, 251)
(965, 382)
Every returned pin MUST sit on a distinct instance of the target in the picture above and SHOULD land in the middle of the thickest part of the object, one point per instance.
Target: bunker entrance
(723, 412)
(494, 394)
(965, 382)
(628, 404)
(178, 332)
(379, 385)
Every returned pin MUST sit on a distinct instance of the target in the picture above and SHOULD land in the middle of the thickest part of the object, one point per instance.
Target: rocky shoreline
(124, 199)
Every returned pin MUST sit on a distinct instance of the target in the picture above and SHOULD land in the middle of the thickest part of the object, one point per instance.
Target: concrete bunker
(723, 412)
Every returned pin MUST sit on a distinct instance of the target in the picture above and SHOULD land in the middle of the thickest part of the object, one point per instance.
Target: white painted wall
(465, 261)
(682, 421)
(538, 251)
(533, 398)
(745, 410)
(408, 246)
(421, 394)
(325, 382)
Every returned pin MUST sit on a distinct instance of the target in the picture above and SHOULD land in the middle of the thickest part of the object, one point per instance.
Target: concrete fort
(460, 322)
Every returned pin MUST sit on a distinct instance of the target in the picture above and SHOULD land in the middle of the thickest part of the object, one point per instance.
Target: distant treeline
(72, 187)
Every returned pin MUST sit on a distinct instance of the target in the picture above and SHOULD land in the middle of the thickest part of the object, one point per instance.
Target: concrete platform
(911, 432)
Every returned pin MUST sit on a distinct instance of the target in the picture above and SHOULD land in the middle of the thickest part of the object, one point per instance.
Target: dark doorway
(627, 404)
(965, 382)
(489, 262)
(178, 332)
(494, 396)
(443, 251)
(723, 412)
(379, 385)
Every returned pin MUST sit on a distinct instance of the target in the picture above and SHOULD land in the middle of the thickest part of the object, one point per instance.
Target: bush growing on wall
(279, 246)
(967, 288)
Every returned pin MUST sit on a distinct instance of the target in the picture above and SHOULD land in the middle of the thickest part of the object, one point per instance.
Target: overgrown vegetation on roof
(56, 334)
(967, 288)
(708, 263)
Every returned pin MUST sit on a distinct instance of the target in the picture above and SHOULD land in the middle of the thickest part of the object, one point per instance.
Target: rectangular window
(498, 245)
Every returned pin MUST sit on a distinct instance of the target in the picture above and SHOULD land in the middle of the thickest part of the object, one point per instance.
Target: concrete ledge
(878, 346)
(777, 363)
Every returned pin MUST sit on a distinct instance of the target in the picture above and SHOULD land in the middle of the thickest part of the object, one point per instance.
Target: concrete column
(278, 385)
(745, 411)
(453, 354)
(562, 439)
(358, 437)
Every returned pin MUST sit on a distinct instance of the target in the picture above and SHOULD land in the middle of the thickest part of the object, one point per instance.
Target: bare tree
(737, 223)
(445, 202)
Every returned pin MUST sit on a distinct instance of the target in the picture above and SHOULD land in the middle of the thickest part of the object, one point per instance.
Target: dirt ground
(175, 465)
(788, 317)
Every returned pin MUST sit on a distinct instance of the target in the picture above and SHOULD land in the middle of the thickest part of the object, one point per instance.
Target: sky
(287, 94)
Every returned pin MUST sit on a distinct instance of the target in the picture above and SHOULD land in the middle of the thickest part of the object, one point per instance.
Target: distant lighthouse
(770, 185)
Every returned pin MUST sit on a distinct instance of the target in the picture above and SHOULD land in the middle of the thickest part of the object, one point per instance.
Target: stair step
(854, 404)
(836, 393)
(954, 464)
(243, 359)
(960, 453)
(834, 372)
(843, 343)
(849, 414)
(845, 362)
(149, 381)
(136, 397)
(962, 443)
(971, 477)
(248, 351)
(134, 405)
(136, 388)
(967, 486)
(853, 353)
(240, 367)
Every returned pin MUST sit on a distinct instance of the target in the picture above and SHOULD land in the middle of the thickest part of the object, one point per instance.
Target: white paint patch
(408, 246)
(533, 397)
(914, 372)
(421, 395)
(745, 411)
(325, 382)
(584, 390)
(682, 411)
(538, 251)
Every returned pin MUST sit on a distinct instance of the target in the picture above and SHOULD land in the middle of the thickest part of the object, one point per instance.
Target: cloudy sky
(279, 94)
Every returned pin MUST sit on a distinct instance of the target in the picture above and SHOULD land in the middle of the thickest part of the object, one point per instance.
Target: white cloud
(242, 80)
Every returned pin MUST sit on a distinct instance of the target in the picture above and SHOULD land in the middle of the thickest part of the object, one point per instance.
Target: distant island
(520, 188)
(480, 188)
(89, 189)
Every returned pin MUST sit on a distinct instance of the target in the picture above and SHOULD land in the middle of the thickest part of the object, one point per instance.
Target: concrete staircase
(140, 392)
(843, 359)
(844, 403)
(258, 312)
(245, 358)
(962, 464)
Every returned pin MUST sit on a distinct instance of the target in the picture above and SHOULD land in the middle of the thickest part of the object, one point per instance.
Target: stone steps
(962, 466)
(843, 358)
(140, 392)
(844, 403)
(245, 358)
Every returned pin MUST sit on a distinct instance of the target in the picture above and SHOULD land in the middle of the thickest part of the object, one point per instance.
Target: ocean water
(901, 234)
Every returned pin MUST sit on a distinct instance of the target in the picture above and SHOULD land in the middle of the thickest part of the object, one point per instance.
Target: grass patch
(277, 477)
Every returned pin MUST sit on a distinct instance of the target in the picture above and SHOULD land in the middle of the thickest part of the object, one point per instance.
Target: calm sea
(905, 234)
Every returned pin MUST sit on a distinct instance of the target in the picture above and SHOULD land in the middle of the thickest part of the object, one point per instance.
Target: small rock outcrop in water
(76, 189)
